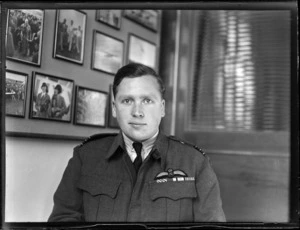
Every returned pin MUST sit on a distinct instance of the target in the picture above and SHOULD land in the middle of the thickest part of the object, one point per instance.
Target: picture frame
(107, 53)
(24, 35)
(16, 84)
(69, 38)
(90, 107)
(51, 98)
(146, 18)
(111, 121)
(112, 18)
(141, 51)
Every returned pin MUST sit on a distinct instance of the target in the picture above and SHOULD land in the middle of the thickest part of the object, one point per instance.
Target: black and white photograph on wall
(112, 18)
(111, 121)
(90, 107)
(24, 35)
(146, 18)
(70, 35)
(141, 51)
(51, 97)
(107, 53)
(15, 93)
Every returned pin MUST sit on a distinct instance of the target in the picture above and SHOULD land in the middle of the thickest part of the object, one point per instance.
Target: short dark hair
(59, 88)
(45, 85)
(133, 70)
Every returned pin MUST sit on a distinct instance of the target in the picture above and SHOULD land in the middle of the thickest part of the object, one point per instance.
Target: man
(108, 179)
(58, 104)
(42, 104)
(70, 31)
(62, 31)
(78, 38)
(26, 34)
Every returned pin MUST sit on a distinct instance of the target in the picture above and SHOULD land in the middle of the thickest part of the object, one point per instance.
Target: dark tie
(138, 160)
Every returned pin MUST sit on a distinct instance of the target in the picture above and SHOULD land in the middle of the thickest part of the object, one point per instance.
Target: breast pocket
(99, 195)
(175, 197)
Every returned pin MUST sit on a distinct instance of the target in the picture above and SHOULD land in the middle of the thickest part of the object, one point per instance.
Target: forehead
(145, 83)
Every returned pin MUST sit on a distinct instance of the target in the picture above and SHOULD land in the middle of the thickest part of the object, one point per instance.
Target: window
(241, 80)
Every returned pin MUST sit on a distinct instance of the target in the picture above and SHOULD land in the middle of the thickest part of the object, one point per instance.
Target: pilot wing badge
(172, 175)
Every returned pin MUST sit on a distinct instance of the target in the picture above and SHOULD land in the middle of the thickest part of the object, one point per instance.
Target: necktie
(138, 160)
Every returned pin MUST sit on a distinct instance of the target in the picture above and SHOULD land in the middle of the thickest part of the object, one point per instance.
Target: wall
(34, 166)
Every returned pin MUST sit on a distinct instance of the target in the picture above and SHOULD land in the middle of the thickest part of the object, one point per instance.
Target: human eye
(148, 101)
(126, 101)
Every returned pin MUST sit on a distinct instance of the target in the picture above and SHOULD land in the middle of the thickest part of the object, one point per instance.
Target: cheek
(121, 112)
(155, 114)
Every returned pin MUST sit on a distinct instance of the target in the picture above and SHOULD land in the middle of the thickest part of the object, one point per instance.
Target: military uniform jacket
(175, 183)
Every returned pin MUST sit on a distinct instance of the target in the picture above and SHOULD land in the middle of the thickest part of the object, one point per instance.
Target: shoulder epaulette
(186, 143)
(97, 136)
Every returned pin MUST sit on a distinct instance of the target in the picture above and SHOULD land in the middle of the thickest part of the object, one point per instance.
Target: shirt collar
(160, 147)
(147, 146)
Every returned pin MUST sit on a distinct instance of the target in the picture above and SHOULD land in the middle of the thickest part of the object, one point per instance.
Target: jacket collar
(116, 144)
(159, 151)
(160, 148)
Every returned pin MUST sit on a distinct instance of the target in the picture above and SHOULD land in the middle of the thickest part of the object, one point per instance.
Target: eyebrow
(140, 96)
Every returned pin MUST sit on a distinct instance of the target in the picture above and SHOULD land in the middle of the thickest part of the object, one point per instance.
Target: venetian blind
(241, 79)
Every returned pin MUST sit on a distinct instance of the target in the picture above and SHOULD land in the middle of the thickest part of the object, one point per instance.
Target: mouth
(136, 124)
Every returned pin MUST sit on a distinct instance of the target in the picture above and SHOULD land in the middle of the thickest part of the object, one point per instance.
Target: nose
(137, 110)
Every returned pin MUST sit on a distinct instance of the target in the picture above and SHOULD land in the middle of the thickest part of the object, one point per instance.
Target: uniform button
(170, 173)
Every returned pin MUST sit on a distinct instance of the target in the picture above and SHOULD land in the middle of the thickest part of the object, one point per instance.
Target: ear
(163, 109)
(113, 106)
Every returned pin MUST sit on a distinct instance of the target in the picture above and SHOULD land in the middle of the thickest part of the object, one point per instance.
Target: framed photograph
(107, 54)
(15, 93)
(111, 121)
(141, 51)
(24, 35)
(147, 18)
(51, 98)
(110, 17)
(90, 107)
(70, 35)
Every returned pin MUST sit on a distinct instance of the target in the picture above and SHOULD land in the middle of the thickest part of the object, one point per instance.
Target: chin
(138, 137)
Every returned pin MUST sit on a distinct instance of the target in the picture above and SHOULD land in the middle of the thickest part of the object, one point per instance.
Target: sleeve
(68, 198)
(208, 205)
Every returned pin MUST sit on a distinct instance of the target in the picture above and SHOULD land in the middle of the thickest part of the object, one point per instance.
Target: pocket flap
(99, 185)
(172, 190)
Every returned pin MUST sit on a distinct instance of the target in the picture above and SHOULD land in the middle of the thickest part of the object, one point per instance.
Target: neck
(153, 138)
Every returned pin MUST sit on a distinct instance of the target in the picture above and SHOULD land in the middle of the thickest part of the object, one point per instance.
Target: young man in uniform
(139, 174)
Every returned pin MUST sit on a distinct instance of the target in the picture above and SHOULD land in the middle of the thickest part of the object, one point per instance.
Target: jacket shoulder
(183, 142)
(96, 137)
